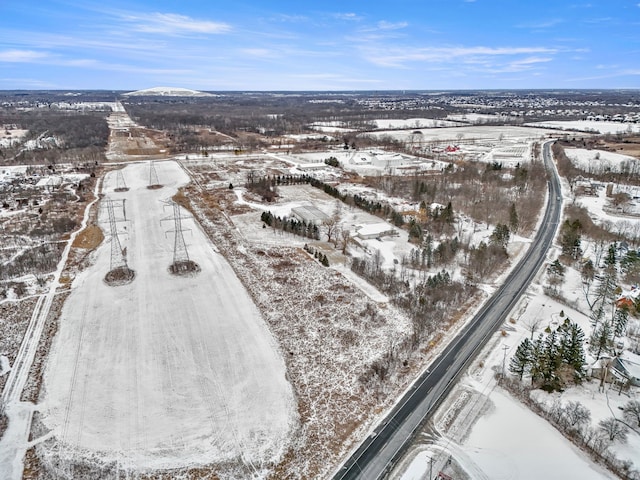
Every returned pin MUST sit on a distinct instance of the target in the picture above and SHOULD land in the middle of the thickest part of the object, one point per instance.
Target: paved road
(377, 454)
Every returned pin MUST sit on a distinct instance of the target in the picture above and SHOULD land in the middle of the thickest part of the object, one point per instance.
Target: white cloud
(258, 52)
(543, 24)
(398, 57)
(175, 24)
(383, 25)
(532, 60)
(21, 56)
(347, 16)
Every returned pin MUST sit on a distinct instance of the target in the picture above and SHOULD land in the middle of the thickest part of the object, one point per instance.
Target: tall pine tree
(521, 361)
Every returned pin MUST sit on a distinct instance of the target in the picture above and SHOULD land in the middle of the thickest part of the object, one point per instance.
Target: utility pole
(431, 467)
(504, 359)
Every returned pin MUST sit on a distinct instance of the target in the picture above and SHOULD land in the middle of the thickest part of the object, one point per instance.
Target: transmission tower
(119, 272)
(153, 176)
(182, 264)
(117, 256)
(121, 186)
(180, 253)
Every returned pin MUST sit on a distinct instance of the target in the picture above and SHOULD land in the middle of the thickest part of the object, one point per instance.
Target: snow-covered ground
(10, 137)
(488, 433)
(589, 126)
(167, 371)
(471, 134)
(600, 210)
(492, 434)
(600, 161)
(511, 442)
(417, 123)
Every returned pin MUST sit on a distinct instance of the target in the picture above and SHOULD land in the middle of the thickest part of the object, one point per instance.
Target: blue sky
(329, 45)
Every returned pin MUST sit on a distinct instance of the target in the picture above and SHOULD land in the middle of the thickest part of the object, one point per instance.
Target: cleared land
(165, 372)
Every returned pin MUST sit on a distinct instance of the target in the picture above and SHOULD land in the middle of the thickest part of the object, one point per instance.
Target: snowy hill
(168, 92)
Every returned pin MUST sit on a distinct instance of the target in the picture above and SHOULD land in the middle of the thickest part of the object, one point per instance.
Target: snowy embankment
(165, 372)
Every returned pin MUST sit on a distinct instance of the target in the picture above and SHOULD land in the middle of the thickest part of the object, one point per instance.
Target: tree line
(291, 225)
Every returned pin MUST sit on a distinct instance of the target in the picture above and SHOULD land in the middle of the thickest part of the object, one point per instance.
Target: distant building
(375, 230)
(309, 214)
(49, 183)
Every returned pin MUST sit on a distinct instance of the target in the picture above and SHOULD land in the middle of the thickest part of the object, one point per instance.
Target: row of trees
(291, 225)
(267, 185)
(318, 255)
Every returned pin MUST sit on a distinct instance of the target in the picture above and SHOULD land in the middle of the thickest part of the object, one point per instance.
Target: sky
(330, 45)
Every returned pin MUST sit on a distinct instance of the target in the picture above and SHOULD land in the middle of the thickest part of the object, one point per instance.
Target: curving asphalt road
(376, 455)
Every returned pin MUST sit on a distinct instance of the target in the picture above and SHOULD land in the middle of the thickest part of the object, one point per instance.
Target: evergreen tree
(556, 268)
(500, 236)
(522, 359)
(620, 319)
(514, 220)
(415, 231)
(605, 292)
(601, 339)
(447, 214)
(537, 366)
(610, 259)
(550, 361)
(571, 239)
(551, 356)
(572, 348)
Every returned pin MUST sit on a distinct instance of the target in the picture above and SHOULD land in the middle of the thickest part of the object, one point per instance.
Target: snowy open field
(599, 161)
(167, 371)
(413, 123)
(589, 126)
(469, 133)
(493, 435)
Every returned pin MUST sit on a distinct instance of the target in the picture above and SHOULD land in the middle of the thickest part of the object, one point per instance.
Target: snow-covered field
(471, 133)
(588, 126)
(417, 123)
(167, 371)
(600, 161)
(489, 434)
(493, 435)
(10, 137)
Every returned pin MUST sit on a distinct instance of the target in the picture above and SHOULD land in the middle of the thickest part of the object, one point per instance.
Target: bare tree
(345, 237)
(331, 228)
(332, 224)
(576, 414)
(533, 324)
(632, 412)
(613, 429)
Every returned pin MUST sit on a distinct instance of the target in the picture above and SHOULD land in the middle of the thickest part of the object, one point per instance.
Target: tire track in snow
(74, 380)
